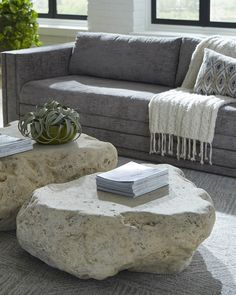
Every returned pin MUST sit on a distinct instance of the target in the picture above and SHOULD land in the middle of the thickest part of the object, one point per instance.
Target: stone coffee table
(22, 173)
(94, 234)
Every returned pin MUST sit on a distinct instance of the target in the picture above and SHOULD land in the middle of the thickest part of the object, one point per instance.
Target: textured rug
(1, 118)
(212, 271)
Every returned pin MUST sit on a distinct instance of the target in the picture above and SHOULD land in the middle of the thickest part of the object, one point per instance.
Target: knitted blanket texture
(189, 118)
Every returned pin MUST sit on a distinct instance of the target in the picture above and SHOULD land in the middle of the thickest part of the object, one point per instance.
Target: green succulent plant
(51, 124)
(18, 25)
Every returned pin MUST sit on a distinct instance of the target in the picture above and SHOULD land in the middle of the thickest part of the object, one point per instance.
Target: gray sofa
(110, 79)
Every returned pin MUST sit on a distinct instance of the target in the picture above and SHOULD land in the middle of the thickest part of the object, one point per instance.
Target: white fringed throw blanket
(185, 115)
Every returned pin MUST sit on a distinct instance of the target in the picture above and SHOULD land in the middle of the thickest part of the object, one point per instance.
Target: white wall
(119, 16)
(110, 16)
(139, 15)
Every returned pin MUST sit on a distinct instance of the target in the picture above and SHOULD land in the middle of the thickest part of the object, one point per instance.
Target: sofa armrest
(21, 66)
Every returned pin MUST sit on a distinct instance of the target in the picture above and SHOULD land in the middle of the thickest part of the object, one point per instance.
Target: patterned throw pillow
(217, 75)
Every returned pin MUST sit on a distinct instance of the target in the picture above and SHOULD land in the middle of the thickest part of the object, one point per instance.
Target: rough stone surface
(94, 234)
(22, 173)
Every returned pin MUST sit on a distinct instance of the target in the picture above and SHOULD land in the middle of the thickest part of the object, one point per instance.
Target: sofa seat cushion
(110, 98)
(106, 97)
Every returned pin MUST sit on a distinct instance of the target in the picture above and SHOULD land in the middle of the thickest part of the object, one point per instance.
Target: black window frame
(204, 17)
(52, 13)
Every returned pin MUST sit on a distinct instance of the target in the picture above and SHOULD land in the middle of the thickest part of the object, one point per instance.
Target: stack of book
(132, 179)
(10, 145)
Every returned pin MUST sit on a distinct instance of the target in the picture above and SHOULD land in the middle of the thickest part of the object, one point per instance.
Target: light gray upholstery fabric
(138, 146)
(186, 50)
(225, 123)
(131, 58)
(110, 98)
(133, 127)
(91, 95)
(142, 129)
(21, 66)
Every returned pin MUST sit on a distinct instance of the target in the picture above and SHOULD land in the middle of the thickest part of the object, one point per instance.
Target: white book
(16, 151)
(131, 172)
(10, 145)
(9, 140)
(163, 181)
(132, 179)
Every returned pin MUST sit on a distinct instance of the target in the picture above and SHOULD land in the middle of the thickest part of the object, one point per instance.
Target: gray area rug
(212, 271)
(1, 118)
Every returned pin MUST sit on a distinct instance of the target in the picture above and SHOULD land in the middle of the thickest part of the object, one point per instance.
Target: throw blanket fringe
(186, 147)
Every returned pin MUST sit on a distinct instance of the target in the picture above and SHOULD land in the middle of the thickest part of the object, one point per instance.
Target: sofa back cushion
(186, 50)
(131, 58)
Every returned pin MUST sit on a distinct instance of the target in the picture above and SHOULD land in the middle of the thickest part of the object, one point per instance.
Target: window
(41, 6)
(178, 10)
(223, 12)
(71, 9)
(215, 13)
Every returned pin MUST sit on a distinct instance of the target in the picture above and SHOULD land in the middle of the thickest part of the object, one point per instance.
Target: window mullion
(52, 8)
(154, 10)
(204, 12)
